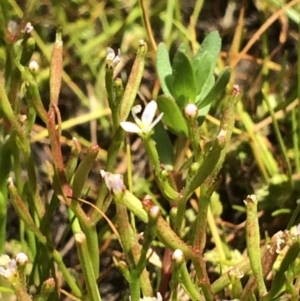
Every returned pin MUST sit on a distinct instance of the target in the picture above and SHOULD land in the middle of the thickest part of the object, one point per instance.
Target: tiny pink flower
(114, 182)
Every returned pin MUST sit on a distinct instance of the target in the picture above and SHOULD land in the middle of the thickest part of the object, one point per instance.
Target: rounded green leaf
(164, 69)
(184, 87)
(173, 116)
(164, 146)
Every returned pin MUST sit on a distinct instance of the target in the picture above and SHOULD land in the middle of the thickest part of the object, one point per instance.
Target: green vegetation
(209, 93)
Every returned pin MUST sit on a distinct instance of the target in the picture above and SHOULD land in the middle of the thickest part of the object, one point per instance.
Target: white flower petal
(116, 61)
(156, 121)
(110, 54)
(130, 127)
(149, 113)
(136, 109)
(114, 182)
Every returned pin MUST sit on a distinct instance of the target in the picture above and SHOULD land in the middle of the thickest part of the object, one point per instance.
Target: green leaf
(164, 69)
(184, 88)
(163, 145)
(204, 64)
(217, 89)
(207, 86)
(211, 44)
(172, 117)
(203, 70)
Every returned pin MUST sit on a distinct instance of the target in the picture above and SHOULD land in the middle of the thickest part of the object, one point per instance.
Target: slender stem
(148, 25)
(215, 234)
(296, 140)
(253, 243)
(87, 267)
(189, 286)
(297, 114)
(279, 138)
(203, 279)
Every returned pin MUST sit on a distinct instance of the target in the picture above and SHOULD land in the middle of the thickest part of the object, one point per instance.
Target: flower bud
(21, 259)
(177, 256)
(154, 212)
(33, 67)
(191, 111)
(10, 182)
(48, 286)
(236, 90)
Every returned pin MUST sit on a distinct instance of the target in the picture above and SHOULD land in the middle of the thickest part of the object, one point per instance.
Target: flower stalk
(87, 267)
(253, 243)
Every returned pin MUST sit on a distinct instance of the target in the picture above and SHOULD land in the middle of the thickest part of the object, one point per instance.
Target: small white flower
(112, 58)
(9, 269)
(114, 182)
(28, 28)
(146, 123)
(158, 298)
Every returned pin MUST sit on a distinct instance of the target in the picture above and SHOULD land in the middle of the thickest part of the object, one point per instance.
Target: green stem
(297, 109)
(253, 243)
(189, 286)
(296, 139)
(23, 213)
(3, 215)
(279, 138)
(263, 157)
(131, 248)
(87, 267)
(215, 234)
(66, 274)
(112, 155)
(111, 97)
(195, 139)
(9, 114)
(201, 220)
(203, 279)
